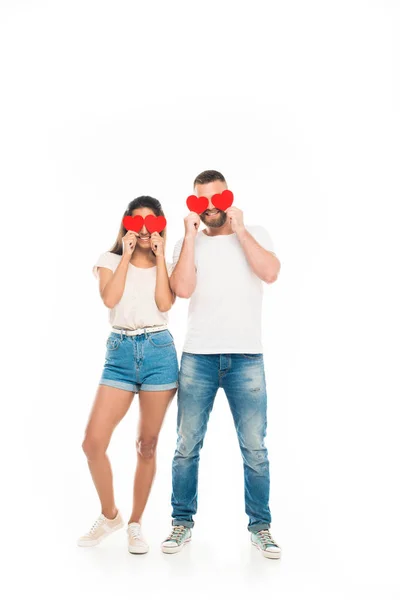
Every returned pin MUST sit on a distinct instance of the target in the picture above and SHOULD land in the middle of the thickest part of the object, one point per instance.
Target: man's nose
(210, 204)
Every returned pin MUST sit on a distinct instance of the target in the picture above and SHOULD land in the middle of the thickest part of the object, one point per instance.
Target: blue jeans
(242, 378)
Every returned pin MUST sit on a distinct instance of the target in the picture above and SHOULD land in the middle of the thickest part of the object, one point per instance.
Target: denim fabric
(145, 362)
(242, 378)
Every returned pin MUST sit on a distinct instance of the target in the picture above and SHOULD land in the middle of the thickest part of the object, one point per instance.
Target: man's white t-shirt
(225, 309)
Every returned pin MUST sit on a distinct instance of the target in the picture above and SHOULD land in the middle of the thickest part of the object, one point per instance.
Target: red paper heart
(196, 204)
(155, 223)
(222, 201)
(133, 223)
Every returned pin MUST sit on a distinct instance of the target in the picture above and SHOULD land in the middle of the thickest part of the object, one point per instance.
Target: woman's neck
(143, 258)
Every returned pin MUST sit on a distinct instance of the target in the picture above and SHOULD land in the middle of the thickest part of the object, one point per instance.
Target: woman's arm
(164, 296)
(112, 285)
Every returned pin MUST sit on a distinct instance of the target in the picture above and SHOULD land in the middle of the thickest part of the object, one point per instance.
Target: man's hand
(192, 222)
(235, 216)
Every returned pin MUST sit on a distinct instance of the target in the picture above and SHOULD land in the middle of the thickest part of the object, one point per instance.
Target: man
(221, 270)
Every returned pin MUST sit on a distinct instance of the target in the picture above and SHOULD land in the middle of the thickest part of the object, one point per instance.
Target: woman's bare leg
(153, 407)
(110, 406)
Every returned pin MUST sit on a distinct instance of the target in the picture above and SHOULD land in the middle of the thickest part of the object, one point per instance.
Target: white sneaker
(136, 542)
(265, 543)
(179, 536)
(101, 529)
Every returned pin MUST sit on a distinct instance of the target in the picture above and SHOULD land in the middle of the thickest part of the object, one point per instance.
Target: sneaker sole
(91, 543)
(174, 549)
(267, 554)
(134, 550)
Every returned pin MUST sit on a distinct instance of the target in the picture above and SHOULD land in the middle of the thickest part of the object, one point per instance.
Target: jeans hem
(189, 524)
(258, 527)
(121, 385)
(148, 387)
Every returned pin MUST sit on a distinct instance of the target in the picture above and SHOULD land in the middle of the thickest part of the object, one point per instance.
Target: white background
(297, 103)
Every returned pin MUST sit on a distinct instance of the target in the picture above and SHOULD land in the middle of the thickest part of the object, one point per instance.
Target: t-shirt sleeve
(177, 253)
(262, 236)
(109, 260)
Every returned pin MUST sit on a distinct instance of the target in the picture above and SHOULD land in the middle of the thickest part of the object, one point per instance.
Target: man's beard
(214, 221)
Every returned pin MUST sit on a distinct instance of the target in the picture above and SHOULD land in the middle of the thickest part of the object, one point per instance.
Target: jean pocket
(161, 339)
(113, 341)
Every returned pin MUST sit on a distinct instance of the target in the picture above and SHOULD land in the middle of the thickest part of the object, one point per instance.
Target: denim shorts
(145, 362)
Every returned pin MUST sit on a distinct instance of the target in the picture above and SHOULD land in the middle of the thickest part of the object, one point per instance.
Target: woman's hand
(129, 243)
(157, 244)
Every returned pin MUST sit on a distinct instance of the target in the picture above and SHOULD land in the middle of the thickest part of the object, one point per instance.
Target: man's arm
(262, 262)
(183, 278)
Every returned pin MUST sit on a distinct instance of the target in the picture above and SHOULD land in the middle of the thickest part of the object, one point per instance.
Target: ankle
(110, 514)
(135, 520)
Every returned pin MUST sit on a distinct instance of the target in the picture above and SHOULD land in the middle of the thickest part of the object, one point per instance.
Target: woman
(140, 358)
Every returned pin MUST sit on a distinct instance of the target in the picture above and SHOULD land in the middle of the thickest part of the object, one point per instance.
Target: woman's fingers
(157, 243)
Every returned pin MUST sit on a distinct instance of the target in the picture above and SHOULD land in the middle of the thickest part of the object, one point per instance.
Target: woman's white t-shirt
(137, 307)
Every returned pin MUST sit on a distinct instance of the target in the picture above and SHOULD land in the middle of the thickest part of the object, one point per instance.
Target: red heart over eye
(133, 223)
(155, 223)
(196, 204)
(223, 201)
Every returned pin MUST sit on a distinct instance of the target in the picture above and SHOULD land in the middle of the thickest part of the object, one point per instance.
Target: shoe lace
(177, 533)
(134, 531)
(266, 538)
(97, 524)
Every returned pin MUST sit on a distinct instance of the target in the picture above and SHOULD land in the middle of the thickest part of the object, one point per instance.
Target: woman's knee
(146, 446)
(93, 447)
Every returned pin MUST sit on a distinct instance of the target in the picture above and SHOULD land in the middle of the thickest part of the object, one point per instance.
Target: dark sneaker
(178, 537)
(264, 541)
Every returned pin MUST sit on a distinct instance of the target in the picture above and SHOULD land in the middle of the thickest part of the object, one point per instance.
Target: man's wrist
(241, 233)
(190, 237)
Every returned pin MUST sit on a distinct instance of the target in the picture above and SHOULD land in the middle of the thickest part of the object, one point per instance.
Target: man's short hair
(208, 177)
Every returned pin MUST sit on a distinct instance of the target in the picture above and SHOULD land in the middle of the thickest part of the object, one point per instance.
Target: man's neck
(226, 229)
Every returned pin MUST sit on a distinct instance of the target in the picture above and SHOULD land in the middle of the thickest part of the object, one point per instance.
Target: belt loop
(146, 335)
(121, 334)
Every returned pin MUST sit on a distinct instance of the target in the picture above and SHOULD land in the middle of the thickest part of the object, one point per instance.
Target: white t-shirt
(224, 314)
(137, 307)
